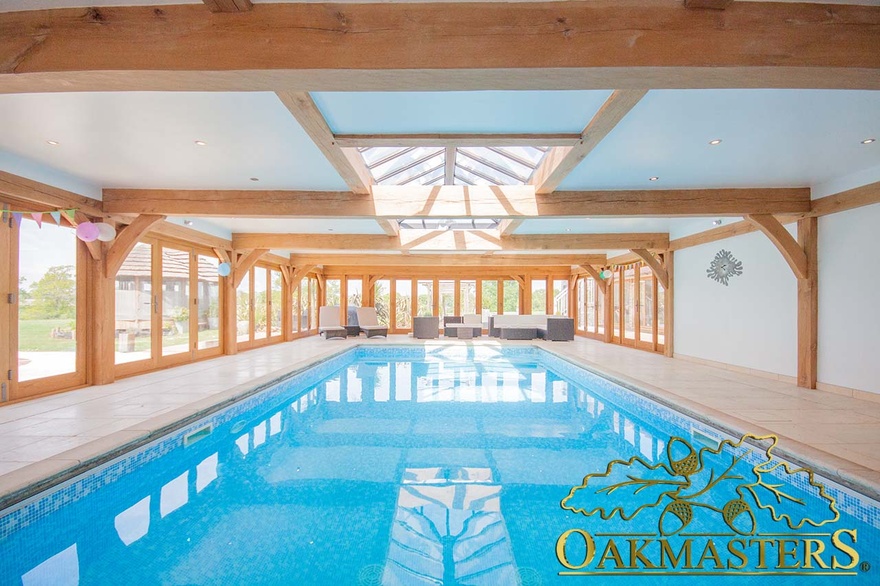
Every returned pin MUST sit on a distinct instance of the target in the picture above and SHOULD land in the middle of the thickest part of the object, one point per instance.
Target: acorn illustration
(733, 516)
(687, 465)
(677, 509)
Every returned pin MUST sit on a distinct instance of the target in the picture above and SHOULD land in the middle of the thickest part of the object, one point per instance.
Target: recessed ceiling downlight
(653, 178)
(869, 140)
(255, 178)
(52, 142)
(715, 141)
(201, 143)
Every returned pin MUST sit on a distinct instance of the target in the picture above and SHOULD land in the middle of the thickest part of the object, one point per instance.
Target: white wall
(849, 299)
(752, 322)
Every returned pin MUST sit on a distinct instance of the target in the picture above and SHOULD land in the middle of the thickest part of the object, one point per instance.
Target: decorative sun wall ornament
(723, 267)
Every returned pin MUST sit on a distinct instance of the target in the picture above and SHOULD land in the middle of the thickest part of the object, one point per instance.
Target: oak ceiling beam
(347, 162)
(455, 201)
(34, 195)
(708, 4)
(468, 46)
(228, 5)
(456, 140)
(449, 260)
(452, 240)
(560, 161)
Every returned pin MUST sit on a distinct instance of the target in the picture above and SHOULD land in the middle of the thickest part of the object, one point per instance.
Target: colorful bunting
(56, 216)
(71, 214)
(38, 218)
(17, 217)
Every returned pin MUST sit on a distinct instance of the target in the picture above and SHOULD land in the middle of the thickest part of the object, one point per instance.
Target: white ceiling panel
(459, 112)
(147, 139)
(769, 138)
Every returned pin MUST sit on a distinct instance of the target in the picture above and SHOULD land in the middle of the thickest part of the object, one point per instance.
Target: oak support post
(100, 324)
(669, 305)
(808, 306)
(608, 294)
(8, 353)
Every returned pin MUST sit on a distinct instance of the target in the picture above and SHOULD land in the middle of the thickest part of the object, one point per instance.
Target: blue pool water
(402, 466)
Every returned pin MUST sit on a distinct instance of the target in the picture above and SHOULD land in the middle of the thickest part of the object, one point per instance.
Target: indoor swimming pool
(442, 465)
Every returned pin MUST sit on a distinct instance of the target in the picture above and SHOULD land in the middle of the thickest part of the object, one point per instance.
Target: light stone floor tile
(35, 440)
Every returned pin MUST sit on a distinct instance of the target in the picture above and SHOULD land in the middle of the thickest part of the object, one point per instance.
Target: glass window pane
(261, 305)
(591, 305)
(581, 301)
(616, 324)
(403, 315)
(209, 302)
(333, 287)
(539, 296)
(275, 322)
(382, 294)
(304, 312)
(175, 301)
(425, 290)
(294, 313)
(355, 293)
(489, 302)
(629, 299)
(646, 305)
(511, 298)
(47, 301)
(661, 294)
(560, 297)
(468, 297)
(134, 305)
(313, 304)
(243, 308)
(447, 298)
(600, 310)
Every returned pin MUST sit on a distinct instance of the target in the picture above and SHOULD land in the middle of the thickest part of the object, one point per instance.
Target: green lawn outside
(35, 335)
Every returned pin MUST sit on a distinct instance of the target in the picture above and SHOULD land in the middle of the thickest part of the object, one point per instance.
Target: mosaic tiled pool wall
(302, 382)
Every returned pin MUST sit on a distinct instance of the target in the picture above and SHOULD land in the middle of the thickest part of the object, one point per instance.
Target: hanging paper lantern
(106, 232)
(87, 232)
(224, 269)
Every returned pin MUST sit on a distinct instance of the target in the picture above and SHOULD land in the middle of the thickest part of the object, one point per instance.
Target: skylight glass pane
(477, 176)
(437, 173)
(494, 164)
(448, 224)
(375, 154)
(399, 175)
(407, 157)
(525, 154)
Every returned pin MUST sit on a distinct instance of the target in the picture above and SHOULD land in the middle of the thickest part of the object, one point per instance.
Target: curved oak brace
(298, 274)
(791, 251)
(595, 274)
(126, 240)
(655, 265)
(244, 264)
